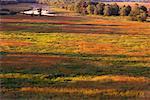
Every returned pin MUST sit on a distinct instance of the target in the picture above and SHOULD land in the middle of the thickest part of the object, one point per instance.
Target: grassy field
(74, 57)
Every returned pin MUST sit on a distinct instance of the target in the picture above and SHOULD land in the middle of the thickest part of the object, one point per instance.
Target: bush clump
(138, 13)
(100, 8)
(125, 10)
(107, 10)
(115, 9)
(91, 9)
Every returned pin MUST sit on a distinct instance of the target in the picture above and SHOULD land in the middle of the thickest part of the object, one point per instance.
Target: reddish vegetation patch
(143, 53)
(30, 60)
(75, 24)
(100, 48)
(13, 43)
(5, 27)
(35, 19)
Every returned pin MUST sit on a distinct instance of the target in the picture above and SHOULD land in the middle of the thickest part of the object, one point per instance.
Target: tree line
(86, 7)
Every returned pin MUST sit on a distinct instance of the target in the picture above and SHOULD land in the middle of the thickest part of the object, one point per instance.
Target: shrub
(84, 11)
(133, 18)
(100, 8)
(144, 8)
(138, 14)
(107, 10)
(135, 10)
(90, 9)
(115, 9)
(95, 10)
(71, 7)
(80, 6)
(142, 17)
(125, 10)
(128, 9)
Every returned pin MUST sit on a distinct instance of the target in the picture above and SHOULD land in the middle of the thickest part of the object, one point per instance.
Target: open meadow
(74, 57)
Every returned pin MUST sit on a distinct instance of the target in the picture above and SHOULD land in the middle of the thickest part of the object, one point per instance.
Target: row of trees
(86, 7)
(136, 13)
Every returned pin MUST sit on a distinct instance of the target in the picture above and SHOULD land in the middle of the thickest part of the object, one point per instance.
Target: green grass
(44, 42)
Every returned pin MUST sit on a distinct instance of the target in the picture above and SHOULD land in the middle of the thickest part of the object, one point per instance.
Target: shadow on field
(79, 89)
(61, 27)
(74, 64)
(64, 24)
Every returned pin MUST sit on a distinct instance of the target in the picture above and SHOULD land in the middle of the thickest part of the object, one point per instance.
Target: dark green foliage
(114, 9)
(128, 9)
(143, 8)
(3, 53)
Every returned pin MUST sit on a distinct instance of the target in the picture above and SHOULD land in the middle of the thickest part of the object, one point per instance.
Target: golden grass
(110, 92)
(14, 43)
(121, 79)
(63, 90)
(89, 47)
(16, 75)
(112, 78)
